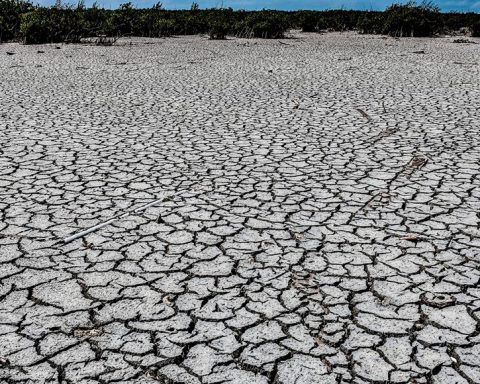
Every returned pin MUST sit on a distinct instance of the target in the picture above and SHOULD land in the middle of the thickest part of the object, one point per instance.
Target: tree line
(20, 20)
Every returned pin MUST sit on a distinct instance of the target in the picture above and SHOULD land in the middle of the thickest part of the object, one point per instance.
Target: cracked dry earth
(320, 220)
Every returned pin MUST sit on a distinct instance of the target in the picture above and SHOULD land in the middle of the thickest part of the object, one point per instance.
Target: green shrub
(218, 31)
(94, 20)
(371, 23)
(10, 11)
(33, 28)
(412, 20)
(44, 25)
(265, 25)
(475, 29)
(163, 28)
(121, 21)
(308, 21)
(189, 24)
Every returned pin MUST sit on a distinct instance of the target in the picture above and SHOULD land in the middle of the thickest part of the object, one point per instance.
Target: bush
(412, 20)
(10, 11)
(94, 21)
(189, 24)
(218, 32)
(475, 29)
(45, 25)
(163, 28)
(308, 21)
(371, 23)
(265, 25)
(122, 21)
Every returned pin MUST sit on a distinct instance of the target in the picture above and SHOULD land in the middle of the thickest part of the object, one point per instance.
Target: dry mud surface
(324, 227)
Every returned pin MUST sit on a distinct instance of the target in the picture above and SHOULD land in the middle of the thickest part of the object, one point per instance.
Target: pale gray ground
(328, 231)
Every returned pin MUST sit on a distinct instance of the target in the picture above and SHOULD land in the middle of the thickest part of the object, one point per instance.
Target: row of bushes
(21, 20)
(52, 25)
(399, 20)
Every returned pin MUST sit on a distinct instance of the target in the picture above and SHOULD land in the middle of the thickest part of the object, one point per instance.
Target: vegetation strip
(21, 20)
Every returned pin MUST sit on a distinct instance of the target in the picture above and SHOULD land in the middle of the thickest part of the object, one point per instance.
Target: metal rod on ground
(143, 207)
(105, 223)
(89, 230)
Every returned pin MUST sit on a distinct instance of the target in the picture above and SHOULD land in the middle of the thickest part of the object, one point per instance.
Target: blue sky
(446, 5)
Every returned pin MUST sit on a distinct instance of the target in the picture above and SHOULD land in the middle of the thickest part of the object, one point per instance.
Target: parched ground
(320, 221)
